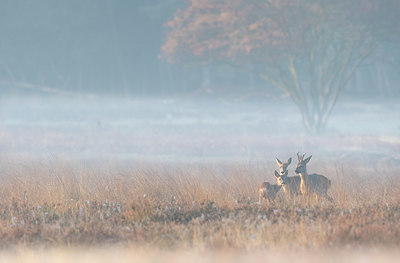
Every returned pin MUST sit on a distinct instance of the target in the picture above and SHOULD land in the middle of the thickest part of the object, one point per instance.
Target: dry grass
(191, 206)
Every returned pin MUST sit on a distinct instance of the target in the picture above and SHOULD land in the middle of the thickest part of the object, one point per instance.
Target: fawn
(268, 191)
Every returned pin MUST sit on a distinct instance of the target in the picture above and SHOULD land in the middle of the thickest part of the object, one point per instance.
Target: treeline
(113, 47)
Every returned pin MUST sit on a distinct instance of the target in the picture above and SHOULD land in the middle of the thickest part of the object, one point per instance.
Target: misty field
(168, 180)
(193, 206)
(148, 131)
(179, 129)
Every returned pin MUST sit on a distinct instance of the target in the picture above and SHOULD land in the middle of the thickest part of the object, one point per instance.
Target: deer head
(281, 178)
(301, 166)
(283, 166)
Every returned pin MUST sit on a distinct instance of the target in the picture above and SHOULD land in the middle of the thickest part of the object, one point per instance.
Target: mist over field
(175, 129)
(146, 127)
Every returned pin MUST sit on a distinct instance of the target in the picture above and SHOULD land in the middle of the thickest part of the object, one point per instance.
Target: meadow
(177, 181)
(192, 206)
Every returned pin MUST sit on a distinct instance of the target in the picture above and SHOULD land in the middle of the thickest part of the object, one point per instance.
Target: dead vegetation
(190, 206)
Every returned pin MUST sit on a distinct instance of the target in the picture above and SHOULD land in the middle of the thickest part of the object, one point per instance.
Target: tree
(309, 49)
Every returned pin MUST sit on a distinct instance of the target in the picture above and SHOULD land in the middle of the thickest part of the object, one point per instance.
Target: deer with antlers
(311, 184)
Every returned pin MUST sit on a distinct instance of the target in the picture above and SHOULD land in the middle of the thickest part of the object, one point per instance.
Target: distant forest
(113, 47)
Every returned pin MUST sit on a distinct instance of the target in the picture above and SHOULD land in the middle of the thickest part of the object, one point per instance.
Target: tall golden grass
(191, 206)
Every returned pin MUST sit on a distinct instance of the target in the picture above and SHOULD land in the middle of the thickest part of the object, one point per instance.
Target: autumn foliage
(242, 30)
(307, 48)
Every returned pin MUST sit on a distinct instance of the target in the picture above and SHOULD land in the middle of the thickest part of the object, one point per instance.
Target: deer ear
(307, 159)
(289, 161)
(276, 174)
(278, 161)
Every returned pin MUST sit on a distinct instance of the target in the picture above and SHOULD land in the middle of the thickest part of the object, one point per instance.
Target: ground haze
(142, 130)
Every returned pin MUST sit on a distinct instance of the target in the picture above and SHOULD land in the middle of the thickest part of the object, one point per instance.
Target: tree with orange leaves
(309, 49)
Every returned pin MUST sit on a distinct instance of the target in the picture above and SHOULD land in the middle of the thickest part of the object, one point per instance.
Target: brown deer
(290, 184)
(268, 192)
(283, 166)
(311, 185)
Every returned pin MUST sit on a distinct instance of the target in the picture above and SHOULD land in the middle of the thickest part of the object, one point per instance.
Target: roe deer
(311, 184)
(283, 166)
(290, 185)
(268, 191)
